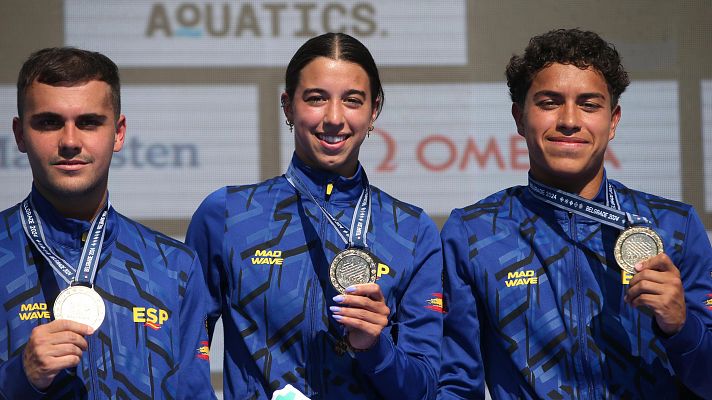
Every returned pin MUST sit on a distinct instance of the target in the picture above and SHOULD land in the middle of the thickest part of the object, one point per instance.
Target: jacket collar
(317, 180)
(561, 214)
(67, 232)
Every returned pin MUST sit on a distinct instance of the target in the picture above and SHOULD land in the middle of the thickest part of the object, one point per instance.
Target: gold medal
(352, 267)
(635, 245)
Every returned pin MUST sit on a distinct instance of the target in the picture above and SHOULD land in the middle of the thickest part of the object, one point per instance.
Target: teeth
(331, 139)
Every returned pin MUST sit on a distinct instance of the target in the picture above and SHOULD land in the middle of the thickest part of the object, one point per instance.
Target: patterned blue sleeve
(205, 235)
(194, 355)
(690, 350)
(462, 373)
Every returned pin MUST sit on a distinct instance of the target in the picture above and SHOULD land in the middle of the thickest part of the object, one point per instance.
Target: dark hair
(68, 66)
(566, 46)
(336, 46)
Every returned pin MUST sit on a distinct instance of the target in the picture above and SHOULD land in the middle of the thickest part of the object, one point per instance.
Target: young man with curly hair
(574, 286)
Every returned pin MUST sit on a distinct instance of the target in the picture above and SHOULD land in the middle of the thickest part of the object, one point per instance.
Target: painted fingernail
(337, 317)
(335, 309)
(350, 289)
(339, 298)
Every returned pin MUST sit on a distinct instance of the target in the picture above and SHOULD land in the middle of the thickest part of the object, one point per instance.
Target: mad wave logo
(197, 20)
(518, 278)
(268, 257)
(153, 318)
(32, 311)
(436, 303)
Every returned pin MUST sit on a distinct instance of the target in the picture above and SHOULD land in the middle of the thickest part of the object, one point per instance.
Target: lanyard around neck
(89, 260)
(355, 236)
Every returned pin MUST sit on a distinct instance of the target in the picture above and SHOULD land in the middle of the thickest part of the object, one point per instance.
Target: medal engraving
(80, 304)
(635, 245)
(352, 267)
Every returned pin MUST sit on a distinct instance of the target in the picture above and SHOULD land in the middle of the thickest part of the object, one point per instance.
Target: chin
(73, 190)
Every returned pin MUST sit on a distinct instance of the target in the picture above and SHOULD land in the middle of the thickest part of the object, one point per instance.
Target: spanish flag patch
(203, 351)
(436, 303)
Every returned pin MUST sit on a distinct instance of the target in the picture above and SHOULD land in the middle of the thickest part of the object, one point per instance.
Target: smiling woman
(331, 114)
(350, 305)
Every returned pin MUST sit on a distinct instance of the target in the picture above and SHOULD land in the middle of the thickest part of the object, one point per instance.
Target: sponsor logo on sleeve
(708, 302)
(436, 303)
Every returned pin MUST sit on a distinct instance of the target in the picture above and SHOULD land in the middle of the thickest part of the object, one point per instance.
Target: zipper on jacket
(94, 384)
(314, 311)
(583, 347)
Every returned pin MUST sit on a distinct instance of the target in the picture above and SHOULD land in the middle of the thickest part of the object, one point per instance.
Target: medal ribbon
(356, 235)
(609, 214)
(89, 260)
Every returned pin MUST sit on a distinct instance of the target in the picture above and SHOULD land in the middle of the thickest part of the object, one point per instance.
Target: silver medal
(635, 245)
(352, 267)
(80, 304)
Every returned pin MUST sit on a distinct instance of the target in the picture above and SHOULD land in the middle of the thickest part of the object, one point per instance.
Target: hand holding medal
(638, 250)
(51, 348)
(364, 313)
(362, 307)
(657, 286)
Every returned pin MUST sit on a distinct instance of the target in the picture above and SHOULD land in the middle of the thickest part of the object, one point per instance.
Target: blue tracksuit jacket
(152, 343)
(536, 305)
(267, 251)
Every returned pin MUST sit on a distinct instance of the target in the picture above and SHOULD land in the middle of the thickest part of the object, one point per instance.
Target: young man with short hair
(94, 305)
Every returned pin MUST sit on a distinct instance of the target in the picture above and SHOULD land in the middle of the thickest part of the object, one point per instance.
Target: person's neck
(347, 170)
(582, 186)
(84, 207)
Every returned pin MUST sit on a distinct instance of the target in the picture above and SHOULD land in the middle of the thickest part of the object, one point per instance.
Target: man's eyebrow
(46, 114)
(592, 95)
(314, 90)
(550, 93)
(355, 91)
(347, 93)
(587, 95)
(93, 116)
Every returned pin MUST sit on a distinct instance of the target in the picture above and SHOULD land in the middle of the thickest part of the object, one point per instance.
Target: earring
(370, 128)
(290, 124)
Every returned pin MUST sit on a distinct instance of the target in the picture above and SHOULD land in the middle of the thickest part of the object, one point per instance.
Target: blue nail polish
(339, 298)
(335, 309)
(337, 317)
(350, 289)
